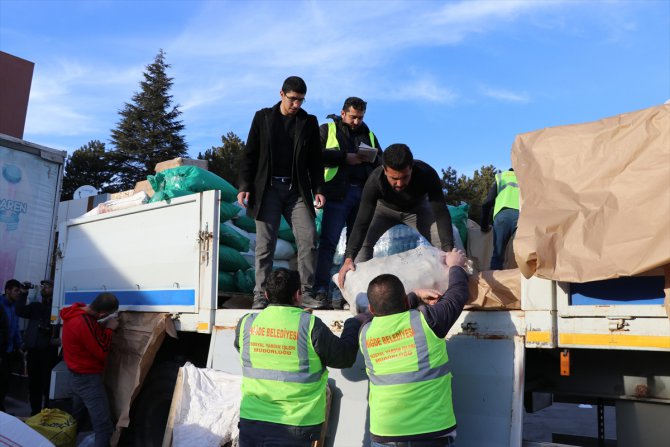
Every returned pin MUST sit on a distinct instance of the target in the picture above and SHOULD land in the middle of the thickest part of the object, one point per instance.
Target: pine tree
(472, 191)
(149, 131)
(88, 165)
(224, 160)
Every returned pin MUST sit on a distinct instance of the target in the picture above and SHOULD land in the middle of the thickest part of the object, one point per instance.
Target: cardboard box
(121, 194)
(145, 186)
(168, 164)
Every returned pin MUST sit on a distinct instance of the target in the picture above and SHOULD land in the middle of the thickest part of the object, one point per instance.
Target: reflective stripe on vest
(424, 372)
(508, 192)
(283, 378)
(333, 145)
(408, 368)
(301, 376)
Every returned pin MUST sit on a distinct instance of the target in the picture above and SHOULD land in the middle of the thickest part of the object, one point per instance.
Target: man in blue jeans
(346, 170)
(503, 197)
(86, 344)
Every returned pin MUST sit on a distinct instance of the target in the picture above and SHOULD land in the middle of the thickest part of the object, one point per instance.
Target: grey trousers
(279, 200)
(88, 394)
(420, 218)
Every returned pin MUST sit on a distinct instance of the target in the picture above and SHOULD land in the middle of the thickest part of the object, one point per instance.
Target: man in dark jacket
(284, 352)
(406, 359)
(281, 173)
(41, 345)
(401, 191)
(346, 170)
(13, 341)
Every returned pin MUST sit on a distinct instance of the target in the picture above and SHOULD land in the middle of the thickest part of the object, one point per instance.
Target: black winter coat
(256, 165)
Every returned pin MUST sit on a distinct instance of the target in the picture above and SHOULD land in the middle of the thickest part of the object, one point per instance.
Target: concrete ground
(546, 425)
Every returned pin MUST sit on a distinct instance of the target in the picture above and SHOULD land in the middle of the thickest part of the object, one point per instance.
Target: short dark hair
(11, 283)
(294, 84)
(281, 285)
(356, 103)
(386, 295)
(105, 302)
(397, 157)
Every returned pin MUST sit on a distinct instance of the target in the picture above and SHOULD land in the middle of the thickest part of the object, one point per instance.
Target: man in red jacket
(86, 344)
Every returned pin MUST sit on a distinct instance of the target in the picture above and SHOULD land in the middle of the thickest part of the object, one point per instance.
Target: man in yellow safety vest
(284, 352)
(407, 362)
(348, 163)
(505, 195)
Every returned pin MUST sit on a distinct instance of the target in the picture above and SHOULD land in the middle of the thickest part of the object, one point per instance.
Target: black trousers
(40, 362)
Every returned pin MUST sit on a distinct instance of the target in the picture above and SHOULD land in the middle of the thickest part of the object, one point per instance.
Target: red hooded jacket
(86, 342)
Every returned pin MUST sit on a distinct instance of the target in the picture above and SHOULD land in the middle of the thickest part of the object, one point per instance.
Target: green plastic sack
(317, 220)
(168, 195)
(246, 223)
(227, 211)
(285, 231)
(227, 282)
(59, 427)
(245, 281)
(194, 179)
(231, 260)
(233, 239)
(459, 217)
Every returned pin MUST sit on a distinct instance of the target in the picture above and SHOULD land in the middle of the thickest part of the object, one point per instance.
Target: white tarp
(15, 432)
(209, 409)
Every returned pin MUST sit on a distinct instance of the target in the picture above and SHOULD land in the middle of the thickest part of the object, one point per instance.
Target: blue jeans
(265, 434)
(504, 227)
(336, 214)
(88, 393)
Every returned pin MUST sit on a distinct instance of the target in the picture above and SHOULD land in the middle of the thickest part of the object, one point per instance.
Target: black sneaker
(260, 302)
(338, 304)
(309, 301)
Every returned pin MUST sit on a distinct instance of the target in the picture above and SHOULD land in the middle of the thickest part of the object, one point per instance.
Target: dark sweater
(424, 184)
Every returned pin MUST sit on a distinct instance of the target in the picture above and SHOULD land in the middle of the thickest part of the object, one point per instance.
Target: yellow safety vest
(333, 145)
(508, 192)
(283, 379)
(410, 380)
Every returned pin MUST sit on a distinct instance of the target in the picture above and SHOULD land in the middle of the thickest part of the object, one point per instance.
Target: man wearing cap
(281, 173)
(401, 191)
(346, 168)
(41, 343)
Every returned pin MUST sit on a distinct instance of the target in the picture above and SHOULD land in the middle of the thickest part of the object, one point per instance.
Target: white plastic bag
(422, 267)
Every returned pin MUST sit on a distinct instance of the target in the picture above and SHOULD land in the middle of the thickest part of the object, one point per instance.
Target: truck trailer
(603, 342)
(30, 188)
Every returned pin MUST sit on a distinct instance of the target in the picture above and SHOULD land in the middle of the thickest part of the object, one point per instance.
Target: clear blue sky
(456, 81)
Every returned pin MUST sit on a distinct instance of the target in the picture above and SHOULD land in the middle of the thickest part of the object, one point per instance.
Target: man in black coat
(281, 174)
(41, 344)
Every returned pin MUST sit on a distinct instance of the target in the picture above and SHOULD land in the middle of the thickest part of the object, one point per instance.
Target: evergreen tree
(149, 131)
(224, 160)
(472, 191)
(88, 165)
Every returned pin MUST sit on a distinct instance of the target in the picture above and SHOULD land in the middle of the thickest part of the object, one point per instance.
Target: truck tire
(150, 410)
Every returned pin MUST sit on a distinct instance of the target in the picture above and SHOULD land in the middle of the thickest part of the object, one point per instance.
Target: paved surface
(560, 418)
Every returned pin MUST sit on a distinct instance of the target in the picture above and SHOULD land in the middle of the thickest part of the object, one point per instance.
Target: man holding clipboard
(350, 153)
